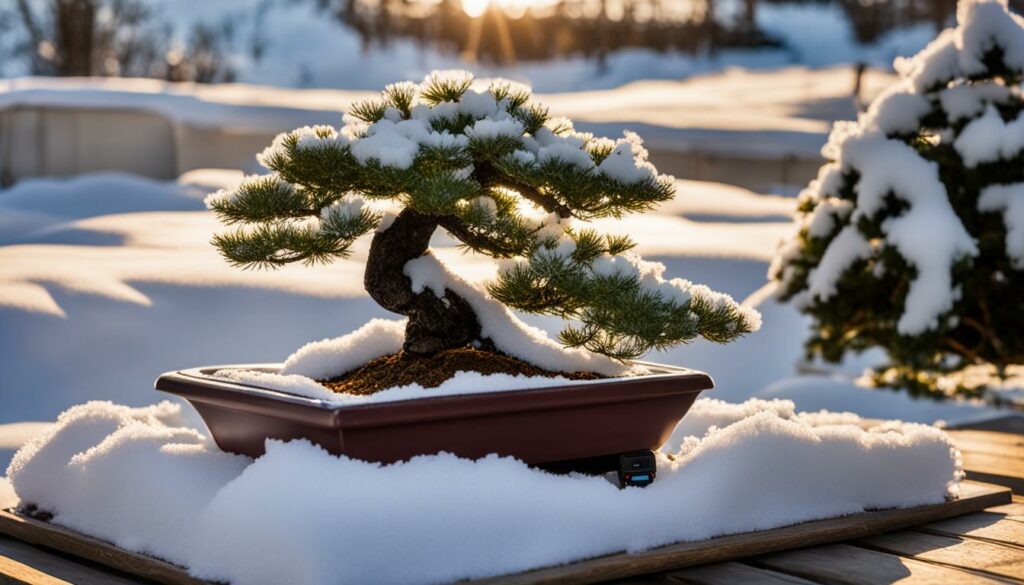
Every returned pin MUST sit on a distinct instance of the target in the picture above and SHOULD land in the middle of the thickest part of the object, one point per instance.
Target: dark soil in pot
(403, 368)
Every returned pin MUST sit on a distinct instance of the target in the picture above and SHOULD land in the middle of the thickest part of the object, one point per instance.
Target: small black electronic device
(632, 469)
(637, 468)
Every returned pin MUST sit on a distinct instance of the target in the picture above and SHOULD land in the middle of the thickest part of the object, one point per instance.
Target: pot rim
(201, 385)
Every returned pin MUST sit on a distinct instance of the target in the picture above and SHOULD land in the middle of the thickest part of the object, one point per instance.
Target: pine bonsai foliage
(495, 171)
(912, 238)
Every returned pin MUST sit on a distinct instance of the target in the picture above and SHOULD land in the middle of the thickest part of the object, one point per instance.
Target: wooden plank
(974, 497)
(984, 525)
(731, 573)
(995, 469)
(16, 558)
(1013, 511)
(843, 564)
(1013, 423)
(79, 545)
(990, 442)
(14, 573)
(967, 553)
(994, 437)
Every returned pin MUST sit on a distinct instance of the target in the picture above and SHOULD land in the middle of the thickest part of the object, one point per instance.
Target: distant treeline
(588, 28)
(594, 28)
(130, 38)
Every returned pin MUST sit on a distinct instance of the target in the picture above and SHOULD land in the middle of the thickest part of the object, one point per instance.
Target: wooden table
(981, 547)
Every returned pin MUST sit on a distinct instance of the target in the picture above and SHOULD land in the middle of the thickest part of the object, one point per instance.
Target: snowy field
(106, 281)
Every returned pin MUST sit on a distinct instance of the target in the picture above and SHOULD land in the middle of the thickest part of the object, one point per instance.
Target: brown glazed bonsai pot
(537, 426)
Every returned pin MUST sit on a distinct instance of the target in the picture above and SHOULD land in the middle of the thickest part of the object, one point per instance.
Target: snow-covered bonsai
(912, 238)
(492, 169)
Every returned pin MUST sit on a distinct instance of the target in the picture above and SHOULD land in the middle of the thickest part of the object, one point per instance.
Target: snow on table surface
(144, 481)
(784, 111)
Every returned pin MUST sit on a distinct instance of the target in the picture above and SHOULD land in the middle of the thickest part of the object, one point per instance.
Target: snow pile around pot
(299, 515)
(7, 496)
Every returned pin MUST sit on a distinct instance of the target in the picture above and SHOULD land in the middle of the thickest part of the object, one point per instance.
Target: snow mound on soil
(460, 383)
(299, 515)
(330, 358)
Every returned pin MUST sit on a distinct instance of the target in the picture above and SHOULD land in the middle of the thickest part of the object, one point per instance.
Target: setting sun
(475, 8)
(511, 8)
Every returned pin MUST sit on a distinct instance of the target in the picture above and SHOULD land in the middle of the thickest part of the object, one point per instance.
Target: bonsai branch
(547, 202)
(474, 240)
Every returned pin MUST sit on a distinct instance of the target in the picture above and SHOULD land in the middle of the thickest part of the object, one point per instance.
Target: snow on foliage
(888, 247)
(490, 166)
(136, 478)
(988, 138)
(1010, 200)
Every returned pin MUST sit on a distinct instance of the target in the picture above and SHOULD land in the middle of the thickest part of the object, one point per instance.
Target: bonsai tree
(912, 238)
(492, 169)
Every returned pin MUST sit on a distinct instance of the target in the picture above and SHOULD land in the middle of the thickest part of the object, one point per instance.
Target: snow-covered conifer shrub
(489, 166)
(912, 238)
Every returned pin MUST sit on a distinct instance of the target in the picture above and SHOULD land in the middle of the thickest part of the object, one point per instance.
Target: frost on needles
(493, 169)
(912, 238)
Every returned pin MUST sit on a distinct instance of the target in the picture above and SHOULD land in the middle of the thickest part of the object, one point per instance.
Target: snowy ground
(106, 281)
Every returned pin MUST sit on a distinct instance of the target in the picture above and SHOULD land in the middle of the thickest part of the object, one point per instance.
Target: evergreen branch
(401, 96)
(624, 309)
(516, 95)
(368, 111)
(260, 200)
(446, 86)
(277, 244)
(546, 202)
(495, 244)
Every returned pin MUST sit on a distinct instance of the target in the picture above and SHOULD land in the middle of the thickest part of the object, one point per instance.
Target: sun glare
(510, 8)
(475, 8)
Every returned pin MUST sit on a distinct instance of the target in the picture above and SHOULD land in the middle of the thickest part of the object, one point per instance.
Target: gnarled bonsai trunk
(435, 324)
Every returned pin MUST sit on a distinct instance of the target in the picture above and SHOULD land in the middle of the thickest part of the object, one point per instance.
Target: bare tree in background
(87, 38)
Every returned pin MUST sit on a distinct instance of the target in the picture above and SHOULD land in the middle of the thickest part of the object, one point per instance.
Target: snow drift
(137, 478)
